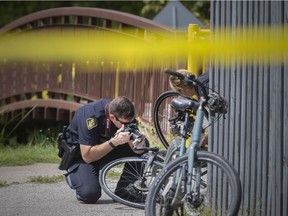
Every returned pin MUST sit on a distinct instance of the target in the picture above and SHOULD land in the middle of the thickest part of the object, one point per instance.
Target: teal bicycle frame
(195, 140)
(194, 143)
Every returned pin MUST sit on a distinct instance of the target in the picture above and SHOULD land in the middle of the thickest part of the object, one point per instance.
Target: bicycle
(164, 117)
(137, 173)
(145, 169)
(177, 188)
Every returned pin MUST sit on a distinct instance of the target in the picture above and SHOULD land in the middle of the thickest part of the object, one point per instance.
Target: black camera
(133, 129)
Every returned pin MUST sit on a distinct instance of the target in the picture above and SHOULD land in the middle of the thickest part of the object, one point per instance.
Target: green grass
(28, 154)
(3, 183)
(38, 179)
(47, 179)
(115, 173)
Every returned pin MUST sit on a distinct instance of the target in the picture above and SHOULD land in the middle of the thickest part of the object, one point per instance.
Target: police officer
(97, 128)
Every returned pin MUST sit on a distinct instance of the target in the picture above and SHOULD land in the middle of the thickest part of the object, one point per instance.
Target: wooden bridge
(55, 89)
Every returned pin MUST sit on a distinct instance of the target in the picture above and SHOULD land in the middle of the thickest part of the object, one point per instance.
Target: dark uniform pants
(84, 178)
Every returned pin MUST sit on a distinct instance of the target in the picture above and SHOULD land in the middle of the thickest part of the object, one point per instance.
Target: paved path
(34, 199)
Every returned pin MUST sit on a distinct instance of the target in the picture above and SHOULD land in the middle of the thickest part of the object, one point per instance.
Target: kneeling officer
(95, 137)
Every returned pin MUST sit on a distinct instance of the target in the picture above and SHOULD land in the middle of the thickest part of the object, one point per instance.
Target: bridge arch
(82, 16)
(83, 81)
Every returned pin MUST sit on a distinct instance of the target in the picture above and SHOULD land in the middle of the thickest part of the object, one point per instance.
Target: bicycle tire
(161, 120)
(114, 168)
(212, 160)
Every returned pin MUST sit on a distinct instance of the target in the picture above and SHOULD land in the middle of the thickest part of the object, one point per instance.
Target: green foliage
(39, 137)
(200, 9)
(151, 8)
(5, 134)
(149, 131)
(13, 128)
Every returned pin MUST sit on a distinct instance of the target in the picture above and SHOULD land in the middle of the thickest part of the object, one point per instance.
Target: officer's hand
(120, 137)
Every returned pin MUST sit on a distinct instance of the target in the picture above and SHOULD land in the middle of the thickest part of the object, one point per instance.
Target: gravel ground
(34, 199)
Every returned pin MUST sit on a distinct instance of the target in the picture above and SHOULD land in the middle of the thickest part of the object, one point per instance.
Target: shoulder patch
(91, 123)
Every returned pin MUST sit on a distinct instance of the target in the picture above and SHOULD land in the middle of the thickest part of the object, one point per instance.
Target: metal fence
(254, 137)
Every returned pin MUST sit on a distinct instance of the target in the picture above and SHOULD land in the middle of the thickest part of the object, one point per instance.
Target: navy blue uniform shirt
(91, 125)
(204, 79)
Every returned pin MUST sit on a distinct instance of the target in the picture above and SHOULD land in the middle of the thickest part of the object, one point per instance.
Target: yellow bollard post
(192, 63)
(117, 81)
(195, 35)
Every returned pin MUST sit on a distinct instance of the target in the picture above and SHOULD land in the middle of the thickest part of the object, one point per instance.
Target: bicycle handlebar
(190, 80)
(215, 102)
(154, 149)
(175, 73)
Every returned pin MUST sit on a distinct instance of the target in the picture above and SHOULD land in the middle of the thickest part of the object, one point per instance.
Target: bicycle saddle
(182, 104)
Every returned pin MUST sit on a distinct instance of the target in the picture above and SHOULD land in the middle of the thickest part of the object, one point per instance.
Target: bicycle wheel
(162, 115)
(162, 198)
(124, 180)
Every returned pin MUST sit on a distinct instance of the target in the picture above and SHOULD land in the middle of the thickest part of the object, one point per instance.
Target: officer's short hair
(122, 107)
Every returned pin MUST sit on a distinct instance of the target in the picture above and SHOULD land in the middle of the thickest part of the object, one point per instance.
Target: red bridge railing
(59, 88)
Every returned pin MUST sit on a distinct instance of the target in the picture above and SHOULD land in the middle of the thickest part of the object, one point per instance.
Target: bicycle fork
(147, 170)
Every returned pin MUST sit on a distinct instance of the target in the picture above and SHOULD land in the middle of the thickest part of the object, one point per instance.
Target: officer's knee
(89, 195)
